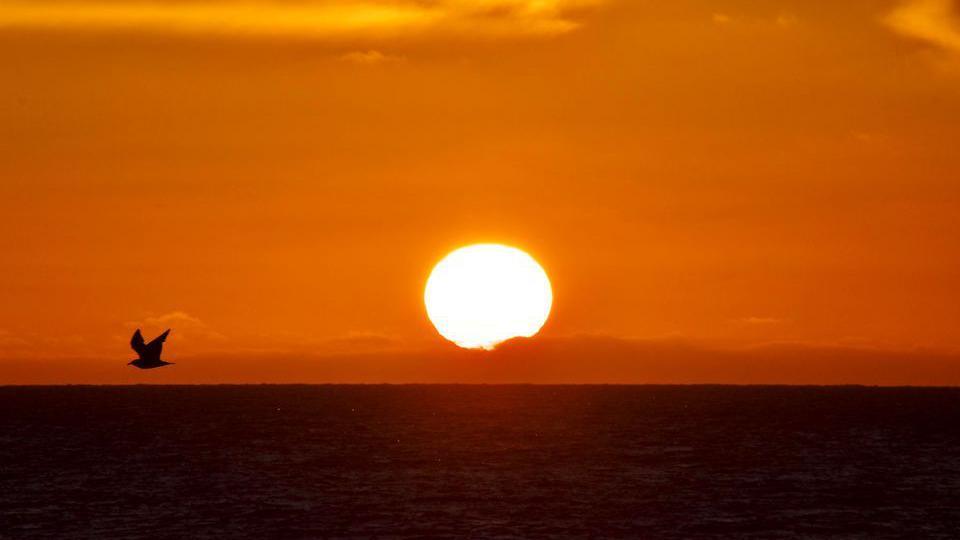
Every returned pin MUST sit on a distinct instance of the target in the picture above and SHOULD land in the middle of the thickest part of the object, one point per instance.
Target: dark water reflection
(480, 461)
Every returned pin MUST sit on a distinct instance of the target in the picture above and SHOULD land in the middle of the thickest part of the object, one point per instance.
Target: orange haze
(275, 180)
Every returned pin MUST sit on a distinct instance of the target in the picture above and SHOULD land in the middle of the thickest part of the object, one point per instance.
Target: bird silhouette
(149, 353)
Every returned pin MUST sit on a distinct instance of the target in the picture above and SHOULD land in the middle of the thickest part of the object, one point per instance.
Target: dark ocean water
(479, 461)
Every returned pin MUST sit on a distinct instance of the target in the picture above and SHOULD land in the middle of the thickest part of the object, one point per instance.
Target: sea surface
(479, 462)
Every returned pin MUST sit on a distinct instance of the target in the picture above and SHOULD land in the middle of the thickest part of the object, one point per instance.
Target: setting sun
(481, 295)
(304, 253)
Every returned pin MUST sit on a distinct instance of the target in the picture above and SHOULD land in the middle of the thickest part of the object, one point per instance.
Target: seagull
(149, 353)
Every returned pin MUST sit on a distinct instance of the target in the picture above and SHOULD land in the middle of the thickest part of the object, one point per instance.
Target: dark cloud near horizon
(580, 360)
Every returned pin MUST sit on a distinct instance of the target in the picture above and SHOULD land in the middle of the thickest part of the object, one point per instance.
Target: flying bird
(149, 353)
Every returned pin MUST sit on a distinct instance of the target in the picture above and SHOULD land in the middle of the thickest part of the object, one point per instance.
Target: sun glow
(481, 295)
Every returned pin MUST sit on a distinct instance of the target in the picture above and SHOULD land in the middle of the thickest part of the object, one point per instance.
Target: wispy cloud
(784, 20)
(369, 58)
(933, 21)
(182, 322)
(25, 343)
(9, 340)
(333, 19)
(759, 320)
(722, 18)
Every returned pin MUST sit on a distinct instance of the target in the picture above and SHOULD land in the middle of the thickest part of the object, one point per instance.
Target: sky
(728, 191)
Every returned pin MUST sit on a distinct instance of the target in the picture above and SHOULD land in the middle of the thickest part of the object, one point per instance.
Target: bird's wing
(136, 342)
(155, 347)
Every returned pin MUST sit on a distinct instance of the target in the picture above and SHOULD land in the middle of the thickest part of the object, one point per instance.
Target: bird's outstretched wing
(155, 347)
(136, 342)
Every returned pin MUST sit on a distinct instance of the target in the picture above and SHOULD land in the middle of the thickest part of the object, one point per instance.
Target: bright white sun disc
(481, 295)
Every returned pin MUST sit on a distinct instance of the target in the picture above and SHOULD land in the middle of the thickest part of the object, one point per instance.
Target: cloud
(722, 18)
(175, 317)
(330, 20)
(357, 342)
(759, 320)
(933, 21)
(574, 360)
(182, 323)
(783, 20)
(787, 20)
(9, 340)
(52, 343)
(369, 58)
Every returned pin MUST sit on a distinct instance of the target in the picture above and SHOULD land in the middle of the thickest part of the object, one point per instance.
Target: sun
(484, 294)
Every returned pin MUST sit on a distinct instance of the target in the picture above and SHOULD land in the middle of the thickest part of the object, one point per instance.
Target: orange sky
(277, 179)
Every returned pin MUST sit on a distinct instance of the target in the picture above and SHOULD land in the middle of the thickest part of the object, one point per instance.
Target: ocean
(479, 462)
